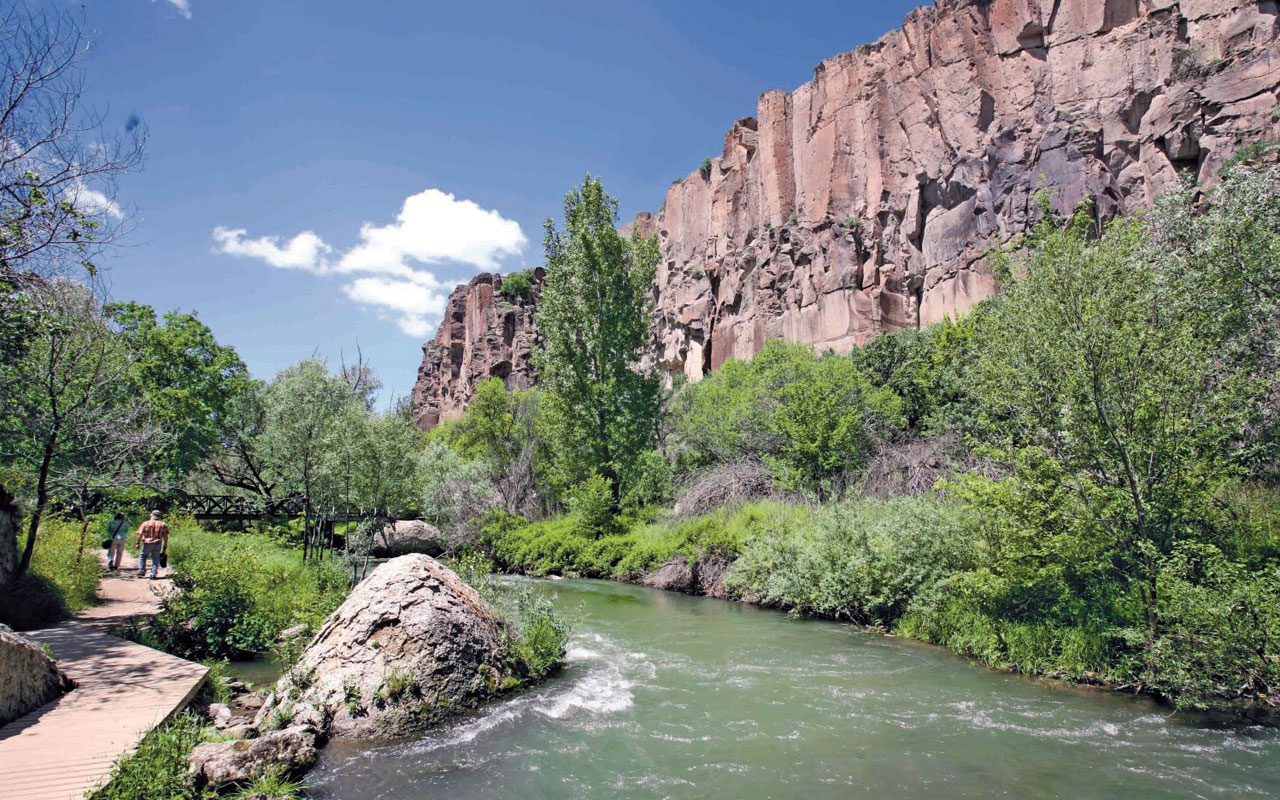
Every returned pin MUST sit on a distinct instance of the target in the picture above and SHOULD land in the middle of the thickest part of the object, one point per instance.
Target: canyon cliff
(867, 199)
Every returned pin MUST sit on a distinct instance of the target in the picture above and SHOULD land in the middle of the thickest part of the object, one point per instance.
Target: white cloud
(306, 251)
(432, 227)
(93, 202)
(417, 303)
(183, 6)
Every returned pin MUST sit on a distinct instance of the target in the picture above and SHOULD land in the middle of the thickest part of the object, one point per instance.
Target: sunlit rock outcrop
(867, 199)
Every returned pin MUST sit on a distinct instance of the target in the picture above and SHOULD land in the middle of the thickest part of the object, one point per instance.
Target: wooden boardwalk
(66, 748)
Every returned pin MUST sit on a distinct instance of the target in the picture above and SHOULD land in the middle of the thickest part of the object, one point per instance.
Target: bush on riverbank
(541, 634)
(238, 592)
(158, 768)
(563, 546)
(862, 560)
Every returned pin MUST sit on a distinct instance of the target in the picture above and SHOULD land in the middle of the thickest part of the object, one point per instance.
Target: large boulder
(29, 677)
(291, 751)
(411, 645)
(408, 536)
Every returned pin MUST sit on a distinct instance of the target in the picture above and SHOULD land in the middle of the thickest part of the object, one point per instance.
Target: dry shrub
(911, 467)
(727, 485)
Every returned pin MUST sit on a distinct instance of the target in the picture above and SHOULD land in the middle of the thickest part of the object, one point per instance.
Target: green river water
(667, 695)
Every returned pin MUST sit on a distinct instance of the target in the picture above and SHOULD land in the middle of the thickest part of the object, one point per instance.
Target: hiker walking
(153, 541)
(117, 532)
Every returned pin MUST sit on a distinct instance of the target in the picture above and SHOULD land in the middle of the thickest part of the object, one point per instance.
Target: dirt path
(65, 749)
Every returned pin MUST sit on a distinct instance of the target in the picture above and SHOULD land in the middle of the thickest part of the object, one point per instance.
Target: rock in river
(412, 644)
(292, 751)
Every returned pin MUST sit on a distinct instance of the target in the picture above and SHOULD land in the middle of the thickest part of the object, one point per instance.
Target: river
(667, 695)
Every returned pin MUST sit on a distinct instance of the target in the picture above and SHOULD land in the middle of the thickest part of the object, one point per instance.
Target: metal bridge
(230, 507)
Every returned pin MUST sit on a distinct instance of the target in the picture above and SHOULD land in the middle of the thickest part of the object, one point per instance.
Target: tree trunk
(42, 502)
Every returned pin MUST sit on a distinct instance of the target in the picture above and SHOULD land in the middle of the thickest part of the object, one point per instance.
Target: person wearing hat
(153, 541)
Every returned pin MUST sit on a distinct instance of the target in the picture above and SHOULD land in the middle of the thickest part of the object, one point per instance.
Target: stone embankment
(29, 677)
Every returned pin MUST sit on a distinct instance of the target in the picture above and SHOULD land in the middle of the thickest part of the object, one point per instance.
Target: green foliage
(519, 285)
(67, 418)
(824, 417)
(351, 698)
(651, 480)
(63, 577)
(539, 647)
(157, 770)
(1216, 629)
(66, 555)
(188, 378)
(1254, 151)
(499, 432)
(1220, 262)
(591, 508)
(863, 560)
(220, 676)
(593, 314)
(455, 490)
(537, 634)
(813, 419)
(704, 169)
(238, 592)
(930, 371)
(1127, 378)
(562, 545)
(313, 433)
(275, 785)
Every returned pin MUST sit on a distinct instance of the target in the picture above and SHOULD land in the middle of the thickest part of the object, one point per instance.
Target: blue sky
(321, 171)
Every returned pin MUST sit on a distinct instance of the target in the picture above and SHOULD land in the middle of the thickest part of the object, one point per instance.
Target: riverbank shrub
(238, 592)
(543, 635)
(539, 635)
(1131, 369)
(813, 420)
(864, 560)
(561, 546)
(157, 769)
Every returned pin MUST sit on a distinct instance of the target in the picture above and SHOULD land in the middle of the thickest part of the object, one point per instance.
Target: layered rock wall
(866, 199)
(485, 334)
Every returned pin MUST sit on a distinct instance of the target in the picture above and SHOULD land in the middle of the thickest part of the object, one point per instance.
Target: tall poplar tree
(593, 314)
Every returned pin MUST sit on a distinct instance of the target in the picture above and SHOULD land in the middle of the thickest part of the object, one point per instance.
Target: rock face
(29, 678)
(292, 751)
(485, 334)
(865, 200)
(409, 646)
